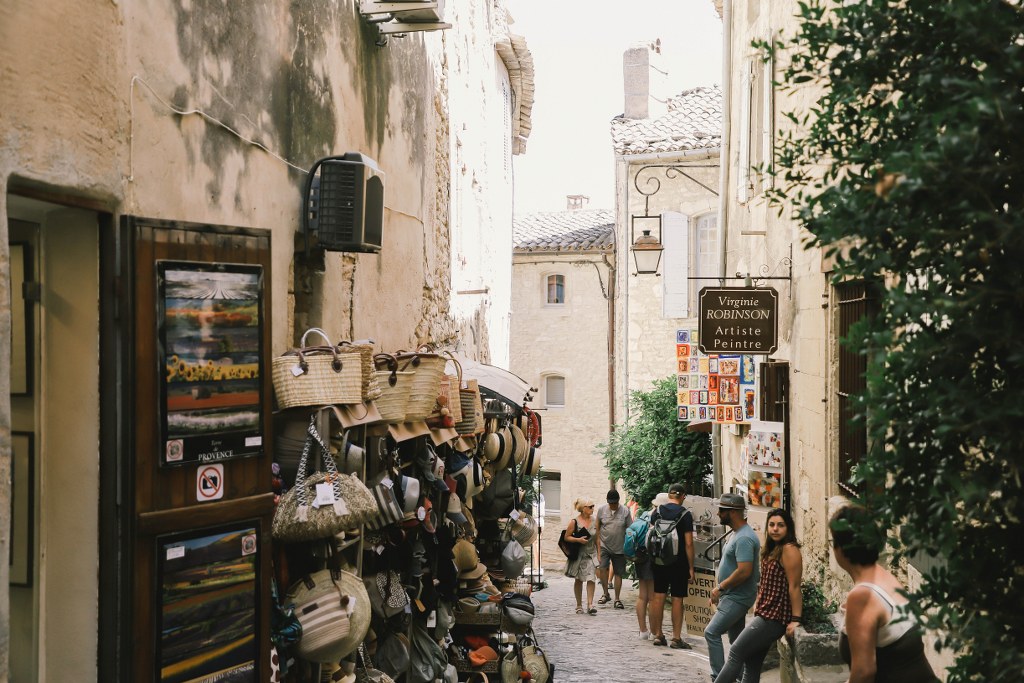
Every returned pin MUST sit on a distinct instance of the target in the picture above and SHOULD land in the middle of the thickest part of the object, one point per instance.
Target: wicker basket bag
(469, 400)
(318, 375)
(429, 369)
(395, 386)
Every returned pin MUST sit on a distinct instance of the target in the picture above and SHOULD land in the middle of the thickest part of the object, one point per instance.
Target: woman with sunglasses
(779, 601)
(584, 567)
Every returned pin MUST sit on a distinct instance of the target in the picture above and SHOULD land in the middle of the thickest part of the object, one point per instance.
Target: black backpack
(662, 539)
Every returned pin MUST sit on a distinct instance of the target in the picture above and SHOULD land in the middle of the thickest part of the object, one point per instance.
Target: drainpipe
(612, 274)
(725, 163)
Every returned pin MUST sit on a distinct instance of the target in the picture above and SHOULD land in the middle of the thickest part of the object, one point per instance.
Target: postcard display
(433, 596)
(723, 389)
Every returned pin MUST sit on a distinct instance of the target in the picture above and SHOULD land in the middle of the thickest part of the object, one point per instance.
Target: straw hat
(493, 444)
(520, 446)
(532, 465)
(466, 558)
(524, 529)
(475, 573)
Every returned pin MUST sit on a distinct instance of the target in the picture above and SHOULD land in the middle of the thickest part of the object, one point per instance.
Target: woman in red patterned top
(779, 601)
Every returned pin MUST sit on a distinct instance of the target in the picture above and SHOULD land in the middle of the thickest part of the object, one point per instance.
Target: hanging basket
(429, 369)
(317, 375)
(469, 400)
(395, 386)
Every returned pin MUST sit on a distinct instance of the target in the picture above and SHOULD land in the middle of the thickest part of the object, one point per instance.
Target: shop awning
(507, 386)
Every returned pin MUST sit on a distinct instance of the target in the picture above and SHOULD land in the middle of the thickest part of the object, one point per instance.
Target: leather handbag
(323, 504)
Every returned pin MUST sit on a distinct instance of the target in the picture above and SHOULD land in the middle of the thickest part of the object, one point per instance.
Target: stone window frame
(546, 289)
(547, 377)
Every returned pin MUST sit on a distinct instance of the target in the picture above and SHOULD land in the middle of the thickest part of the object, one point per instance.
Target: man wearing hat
(738, 576)
(612, 521)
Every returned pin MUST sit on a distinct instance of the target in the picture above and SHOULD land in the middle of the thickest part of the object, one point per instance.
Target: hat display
(482, 655)
(454, 511)
(532, 465)
(465, 555)
(513, 560)
(732, 501)
(410, 495)
(524, 529)
(474, 573)
(493, 445)
(504, 456)
(520, 446)
(427, 516)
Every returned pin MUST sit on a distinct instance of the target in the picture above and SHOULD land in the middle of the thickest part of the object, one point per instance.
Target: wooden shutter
(675, 238)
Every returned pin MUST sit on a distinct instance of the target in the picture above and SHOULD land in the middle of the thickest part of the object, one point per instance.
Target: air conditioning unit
(344, 203)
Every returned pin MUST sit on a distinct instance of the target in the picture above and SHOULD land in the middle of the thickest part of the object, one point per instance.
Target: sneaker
(680, 644)
(659, 640)
(644, 635)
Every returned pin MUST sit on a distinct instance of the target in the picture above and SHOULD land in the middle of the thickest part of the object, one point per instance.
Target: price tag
(387, 482)
(297, 370)
(379, 549)
(432, 619)
(324, 495)
(514, 515)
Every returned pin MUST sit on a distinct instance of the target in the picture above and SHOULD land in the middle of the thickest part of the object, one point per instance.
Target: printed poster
(718, 387)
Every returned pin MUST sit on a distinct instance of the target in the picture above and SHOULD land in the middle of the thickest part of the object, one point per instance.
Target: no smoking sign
(210, 482)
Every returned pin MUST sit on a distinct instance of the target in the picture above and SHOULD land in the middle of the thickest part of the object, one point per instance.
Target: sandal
(592, 610)
(604, 599)
(618, 605)
(680, 644)
(579, 610)
(659, 640)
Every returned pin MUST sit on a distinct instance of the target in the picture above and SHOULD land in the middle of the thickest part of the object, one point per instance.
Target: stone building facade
(562, 285)
(204, 118)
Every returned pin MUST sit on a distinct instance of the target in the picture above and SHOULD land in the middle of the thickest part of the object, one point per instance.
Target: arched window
(556, 290)
(554, 391)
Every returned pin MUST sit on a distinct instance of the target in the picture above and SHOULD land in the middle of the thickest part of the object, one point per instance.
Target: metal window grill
(854, 303)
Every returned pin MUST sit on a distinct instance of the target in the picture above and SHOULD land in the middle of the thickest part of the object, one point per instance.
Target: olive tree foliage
(655, 450)
(909, 169)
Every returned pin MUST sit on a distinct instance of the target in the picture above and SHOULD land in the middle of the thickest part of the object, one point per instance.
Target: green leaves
(655, 449)
(919, 125)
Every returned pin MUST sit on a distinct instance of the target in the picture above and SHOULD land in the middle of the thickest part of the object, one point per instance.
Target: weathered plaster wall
(569, 340)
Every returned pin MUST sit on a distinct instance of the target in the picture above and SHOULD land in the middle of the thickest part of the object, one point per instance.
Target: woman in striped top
(779, 601)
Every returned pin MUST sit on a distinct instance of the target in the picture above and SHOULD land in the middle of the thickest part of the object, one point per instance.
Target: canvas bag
(300, 517)
(635, 545)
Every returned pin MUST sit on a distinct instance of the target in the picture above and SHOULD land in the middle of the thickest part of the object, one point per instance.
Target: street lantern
(647, 253)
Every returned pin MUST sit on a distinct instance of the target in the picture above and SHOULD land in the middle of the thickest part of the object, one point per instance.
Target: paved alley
(605, 648)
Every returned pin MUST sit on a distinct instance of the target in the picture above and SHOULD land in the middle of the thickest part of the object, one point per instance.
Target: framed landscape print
(210, 328)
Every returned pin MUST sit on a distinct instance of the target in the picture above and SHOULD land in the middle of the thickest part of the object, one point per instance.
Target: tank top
(899, 650)
(773, 599)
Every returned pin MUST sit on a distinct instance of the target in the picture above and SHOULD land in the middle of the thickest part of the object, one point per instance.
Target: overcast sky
(577, 48)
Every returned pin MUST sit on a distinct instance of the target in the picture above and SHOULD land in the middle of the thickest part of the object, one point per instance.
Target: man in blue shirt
(738, 575)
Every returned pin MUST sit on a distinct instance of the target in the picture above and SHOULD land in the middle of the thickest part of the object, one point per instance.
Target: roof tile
(579, 230)
(693, 121)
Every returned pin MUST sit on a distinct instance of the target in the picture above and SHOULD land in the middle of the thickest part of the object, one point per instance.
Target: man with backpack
(670, 547)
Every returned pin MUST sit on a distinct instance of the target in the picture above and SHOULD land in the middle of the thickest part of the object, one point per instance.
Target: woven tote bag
(395, 386)
(370, 387)
(295, 519)
(317, 375)
(333, 607)
(469, 395)
(429, 369)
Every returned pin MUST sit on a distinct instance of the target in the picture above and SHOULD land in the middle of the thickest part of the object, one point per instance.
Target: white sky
(577, 48)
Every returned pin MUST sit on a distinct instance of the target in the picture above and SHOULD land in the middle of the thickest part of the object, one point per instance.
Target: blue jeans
(728, 619)
(748, 651)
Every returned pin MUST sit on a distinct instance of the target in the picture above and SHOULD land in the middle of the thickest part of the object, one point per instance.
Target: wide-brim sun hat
(520, 446)
(474, 573)
(465, 555)
(524, 529)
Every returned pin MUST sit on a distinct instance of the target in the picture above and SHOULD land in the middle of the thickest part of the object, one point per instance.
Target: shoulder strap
(880, 592)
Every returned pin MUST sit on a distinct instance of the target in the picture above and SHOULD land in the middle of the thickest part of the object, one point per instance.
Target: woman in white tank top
(880, 637)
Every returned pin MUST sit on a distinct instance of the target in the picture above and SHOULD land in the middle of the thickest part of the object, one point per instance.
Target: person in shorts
(612, 521)
(645, 576)
(673, 578)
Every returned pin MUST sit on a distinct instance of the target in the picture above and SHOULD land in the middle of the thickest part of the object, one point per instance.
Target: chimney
(576, 201)
(644, 81)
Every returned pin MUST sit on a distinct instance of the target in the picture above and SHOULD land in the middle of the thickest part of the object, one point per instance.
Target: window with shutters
(555, 287)
(774, 391)
(554, 391)
(757, 122)
(853, 303)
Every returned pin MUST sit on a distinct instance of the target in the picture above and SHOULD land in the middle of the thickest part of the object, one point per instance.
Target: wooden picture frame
(22, 507)
(21, 319)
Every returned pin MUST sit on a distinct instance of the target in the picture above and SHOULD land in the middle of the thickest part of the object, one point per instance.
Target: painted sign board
(738, 320)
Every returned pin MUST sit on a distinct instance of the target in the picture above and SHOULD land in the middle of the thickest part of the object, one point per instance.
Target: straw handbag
(333, 607)
(395, 386)
(370, 386)
(469, 400)
(318, 375)
(429, 369)
(350, 505)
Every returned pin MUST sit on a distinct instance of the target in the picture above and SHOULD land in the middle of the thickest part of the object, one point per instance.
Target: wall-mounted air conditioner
(404, 16)
(343, 203)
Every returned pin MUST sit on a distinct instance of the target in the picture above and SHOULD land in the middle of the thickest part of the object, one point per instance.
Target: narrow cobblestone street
(605, 649)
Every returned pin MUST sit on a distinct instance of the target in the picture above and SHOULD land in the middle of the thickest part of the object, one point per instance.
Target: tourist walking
(642, 566)
(672, 563)
(738, 576)
(583, 567)
(880, 638)
(779, 602)
(612, 520)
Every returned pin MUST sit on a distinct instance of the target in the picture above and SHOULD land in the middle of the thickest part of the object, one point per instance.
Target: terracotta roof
(519, 62)
(579, 230)
(693, 121)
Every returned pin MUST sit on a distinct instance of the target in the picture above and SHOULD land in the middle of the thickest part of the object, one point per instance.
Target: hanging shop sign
(739, 320)
(717, 388)
(210, 322)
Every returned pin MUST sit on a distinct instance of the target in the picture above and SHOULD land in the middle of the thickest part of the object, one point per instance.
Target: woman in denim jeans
(779, 601)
